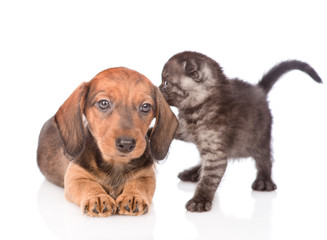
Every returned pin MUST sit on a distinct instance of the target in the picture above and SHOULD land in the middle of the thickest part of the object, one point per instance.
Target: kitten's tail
(271, 77)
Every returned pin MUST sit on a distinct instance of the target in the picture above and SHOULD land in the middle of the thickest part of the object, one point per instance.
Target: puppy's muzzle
(125, 144)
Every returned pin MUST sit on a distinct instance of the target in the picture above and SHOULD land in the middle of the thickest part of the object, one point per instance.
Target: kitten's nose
(163, 89)
(125, 144)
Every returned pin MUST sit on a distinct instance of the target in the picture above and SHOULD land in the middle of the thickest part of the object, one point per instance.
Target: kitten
(225, 118)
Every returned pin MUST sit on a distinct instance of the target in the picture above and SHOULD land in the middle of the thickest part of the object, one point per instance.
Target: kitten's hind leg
(263, 182)
(190, 175)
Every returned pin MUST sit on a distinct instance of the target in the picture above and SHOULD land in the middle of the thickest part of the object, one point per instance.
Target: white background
(47, 48)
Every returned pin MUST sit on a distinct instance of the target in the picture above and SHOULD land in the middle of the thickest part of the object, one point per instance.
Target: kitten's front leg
(214, 163)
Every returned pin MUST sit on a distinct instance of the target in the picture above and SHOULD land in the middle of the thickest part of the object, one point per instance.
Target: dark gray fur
(225, 118)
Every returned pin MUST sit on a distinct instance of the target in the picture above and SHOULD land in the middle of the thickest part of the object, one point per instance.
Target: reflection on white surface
(297, 208)
(227, 226)
(66, 220)
(51, 47)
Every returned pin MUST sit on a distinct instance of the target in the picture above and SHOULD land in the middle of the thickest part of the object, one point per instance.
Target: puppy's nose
(125, 144)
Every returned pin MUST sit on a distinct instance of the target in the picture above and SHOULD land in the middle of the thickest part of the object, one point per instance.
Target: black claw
(118, 206)
(85, 209)
(95, 211)
(145, 209)
(127, 208)
(136, 210)
(105, 210)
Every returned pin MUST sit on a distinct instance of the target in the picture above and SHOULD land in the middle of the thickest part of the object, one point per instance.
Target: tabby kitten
(225, 118)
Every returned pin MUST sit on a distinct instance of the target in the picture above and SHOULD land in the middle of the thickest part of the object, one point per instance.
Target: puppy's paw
(189, 175)
(132, 205)
(264, 185)
(198, 205)
(99, 206)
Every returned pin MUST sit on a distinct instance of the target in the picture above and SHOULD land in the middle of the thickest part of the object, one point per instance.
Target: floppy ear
(164, 129)
(190, 66)
(69, 119)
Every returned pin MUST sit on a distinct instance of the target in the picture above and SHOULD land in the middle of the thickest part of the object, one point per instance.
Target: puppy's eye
(145, 107)
(103, 105)
(165, 83)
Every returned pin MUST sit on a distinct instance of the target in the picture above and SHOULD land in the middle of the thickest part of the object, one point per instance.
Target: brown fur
(105, 161)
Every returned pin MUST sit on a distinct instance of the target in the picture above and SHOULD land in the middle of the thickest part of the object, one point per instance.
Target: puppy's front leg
(137, 195)
(82, 189)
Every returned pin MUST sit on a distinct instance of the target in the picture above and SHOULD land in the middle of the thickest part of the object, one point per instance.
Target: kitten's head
(189, 79)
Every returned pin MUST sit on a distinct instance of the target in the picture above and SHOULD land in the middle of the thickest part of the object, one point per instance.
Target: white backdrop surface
(47, 48)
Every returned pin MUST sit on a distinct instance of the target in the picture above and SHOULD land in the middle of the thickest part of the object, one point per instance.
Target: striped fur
(225, 118)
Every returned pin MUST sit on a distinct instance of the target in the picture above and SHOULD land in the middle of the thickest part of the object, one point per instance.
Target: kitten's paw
(264, 185)
(197, 205)
(189, 175)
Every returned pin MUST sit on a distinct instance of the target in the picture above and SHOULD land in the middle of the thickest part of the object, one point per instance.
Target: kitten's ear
(190, 66)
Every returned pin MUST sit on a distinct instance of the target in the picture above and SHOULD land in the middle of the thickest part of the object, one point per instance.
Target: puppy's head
(118, 105)
(188, 79)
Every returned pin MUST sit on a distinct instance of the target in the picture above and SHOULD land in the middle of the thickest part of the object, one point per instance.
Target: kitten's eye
(103, 105)
(145, 107)
(164, 84)
(195, 75)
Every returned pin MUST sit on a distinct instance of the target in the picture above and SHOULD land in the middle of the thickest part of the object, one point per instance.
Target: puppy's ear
(69, 119)
(164, 129)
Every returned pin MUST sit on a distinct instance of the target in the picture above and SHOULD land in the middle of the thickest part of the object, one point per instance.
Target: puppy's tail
(271, 77)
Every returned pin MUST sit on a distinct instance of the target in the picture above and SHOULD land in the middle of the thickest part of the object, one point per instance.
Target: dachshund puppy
(225, 118)
(96, 146)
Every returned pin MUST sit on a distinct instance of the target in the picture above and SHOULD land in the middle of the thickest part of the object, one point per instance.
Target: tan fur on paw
(132, 205)
(99, 206)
